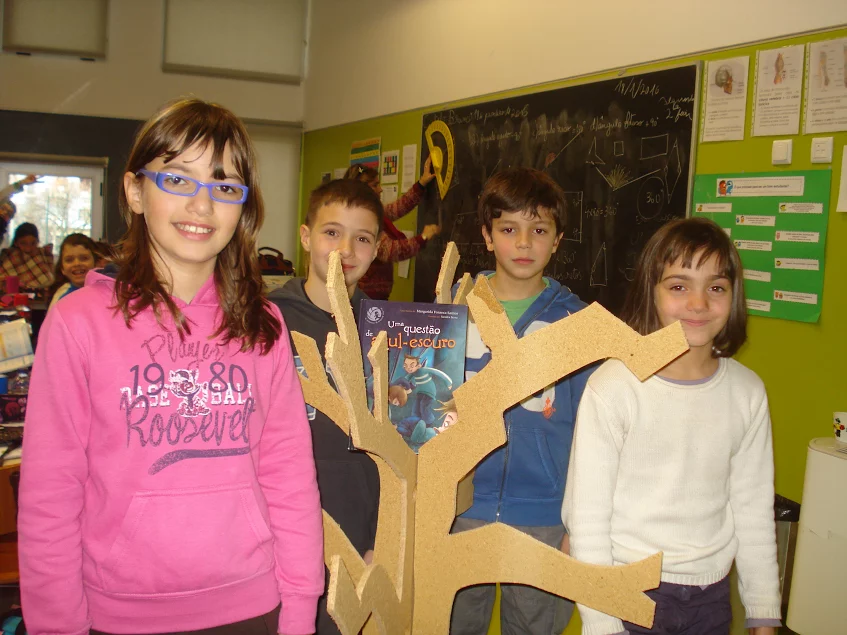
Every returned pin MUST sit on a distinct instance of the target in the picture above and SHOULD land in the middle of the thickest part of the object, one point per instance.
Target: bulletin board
(778, 223)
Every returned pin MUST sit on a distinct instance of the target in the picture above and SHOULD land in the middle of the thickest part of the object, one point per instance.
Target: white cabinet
(817, 600)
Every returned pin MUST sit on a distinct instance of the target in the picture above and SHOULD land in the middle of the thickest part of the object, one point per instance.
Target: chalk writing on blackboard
(621, 150)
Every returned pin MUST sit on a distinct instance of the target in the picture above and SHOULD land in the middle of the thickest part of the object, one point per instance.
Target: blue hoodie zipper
(508, 418)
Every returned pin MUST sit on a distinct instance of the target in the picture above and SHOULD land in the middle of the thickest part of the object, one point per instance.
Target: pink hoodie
(166, 485)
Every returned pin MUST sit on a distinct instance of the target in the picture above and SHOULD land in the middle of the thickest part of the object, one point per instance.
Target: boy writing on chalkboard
(522, 213)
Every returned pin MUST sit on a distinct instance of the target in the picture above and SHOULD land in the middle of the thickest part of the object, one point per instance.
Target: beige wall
(376, 57)
(129, 83)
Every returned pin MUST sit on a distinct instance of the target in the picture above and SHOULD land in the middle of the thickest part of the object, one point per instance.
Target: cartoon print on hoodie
(193, 424)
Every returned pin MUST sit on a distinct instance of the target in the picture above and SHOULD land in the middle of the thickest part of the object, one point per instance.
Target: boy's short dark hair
(24, 230)
(347, 192)
(521, 190)
(681, 240)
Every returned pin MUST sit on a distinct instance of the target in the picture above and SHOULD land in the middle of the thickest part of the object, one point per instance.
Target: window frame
(93, 171)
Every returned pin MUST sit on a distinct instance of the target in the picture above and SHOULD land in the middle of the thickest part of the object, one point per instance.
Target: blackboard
(621, 149)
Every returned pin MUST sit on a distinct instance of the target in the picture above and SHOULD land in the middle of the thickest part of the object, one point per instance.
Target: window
(66, 199)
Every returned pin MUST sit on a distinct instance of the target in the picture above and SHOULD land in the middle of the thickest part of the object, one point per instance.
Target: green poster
(777, 221)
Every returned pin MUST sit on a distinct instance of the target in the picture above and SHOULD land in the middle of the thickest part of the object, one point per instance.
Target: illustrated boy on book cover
(426, 363)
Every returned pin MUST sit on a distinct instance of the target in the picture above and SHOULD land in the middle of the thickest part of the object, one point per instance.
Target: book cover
(426, 363)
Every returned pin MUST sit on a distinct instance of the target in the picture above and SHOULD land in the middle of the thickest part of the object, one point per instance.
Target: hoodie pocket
(532, 469)
(183, 541)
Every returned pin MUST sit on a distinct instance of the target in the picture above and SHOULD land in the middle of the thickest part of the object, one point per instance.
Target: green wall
(798, 362)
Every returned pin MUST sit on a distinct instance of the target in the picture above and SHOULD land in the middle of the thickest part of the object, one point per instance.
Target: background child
(681, 463)
(31, 263)
(522, 213)
(393, 245)
(169, 484)
(344, 216)
(76, 258)
(7, 207)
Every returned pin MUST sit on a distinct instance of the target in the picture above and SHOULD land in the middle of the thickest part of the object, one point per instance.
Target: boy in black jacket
(344, 216)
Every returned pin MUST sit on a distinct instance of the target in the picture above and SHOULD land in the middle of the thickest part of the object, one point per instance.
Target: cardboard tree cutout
(417, 562)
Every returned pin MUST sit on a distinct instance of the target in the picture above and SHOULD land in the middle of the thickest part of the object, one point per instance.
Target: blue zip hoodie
(523, 482)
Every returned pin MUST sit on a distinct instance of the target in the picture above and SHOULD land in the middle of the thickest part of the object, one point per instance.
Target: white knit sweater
(682, 469)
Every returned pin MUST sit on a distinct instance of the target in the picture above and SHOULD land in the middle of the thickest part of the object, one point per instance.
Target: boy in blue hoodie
(522, 213)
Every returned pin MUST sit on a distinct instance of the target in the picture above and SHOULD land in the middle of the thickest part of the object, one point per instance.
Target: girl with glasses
(169, 483)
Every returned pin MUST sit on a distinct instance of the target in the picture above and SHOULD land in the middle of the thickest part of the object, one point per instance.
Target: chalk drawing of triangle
(598, 269)
(593, 158)
(673, 171)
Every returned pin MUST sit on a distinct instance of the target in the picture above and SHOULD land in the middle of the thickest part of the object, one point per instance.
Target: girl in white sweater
(681, 463)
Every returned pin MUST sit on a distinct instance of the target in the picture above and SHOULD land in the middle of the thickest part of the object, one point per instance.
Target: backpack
(272, 263)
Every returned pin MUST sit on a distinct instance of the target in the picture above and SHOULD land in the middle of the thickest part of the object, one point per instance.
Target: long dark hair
(682, 240)
(177, 126)
(73, 240)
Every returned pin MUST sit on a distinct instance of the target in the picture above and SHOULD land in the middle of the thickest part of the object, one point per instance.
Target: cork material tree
(418, 566)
